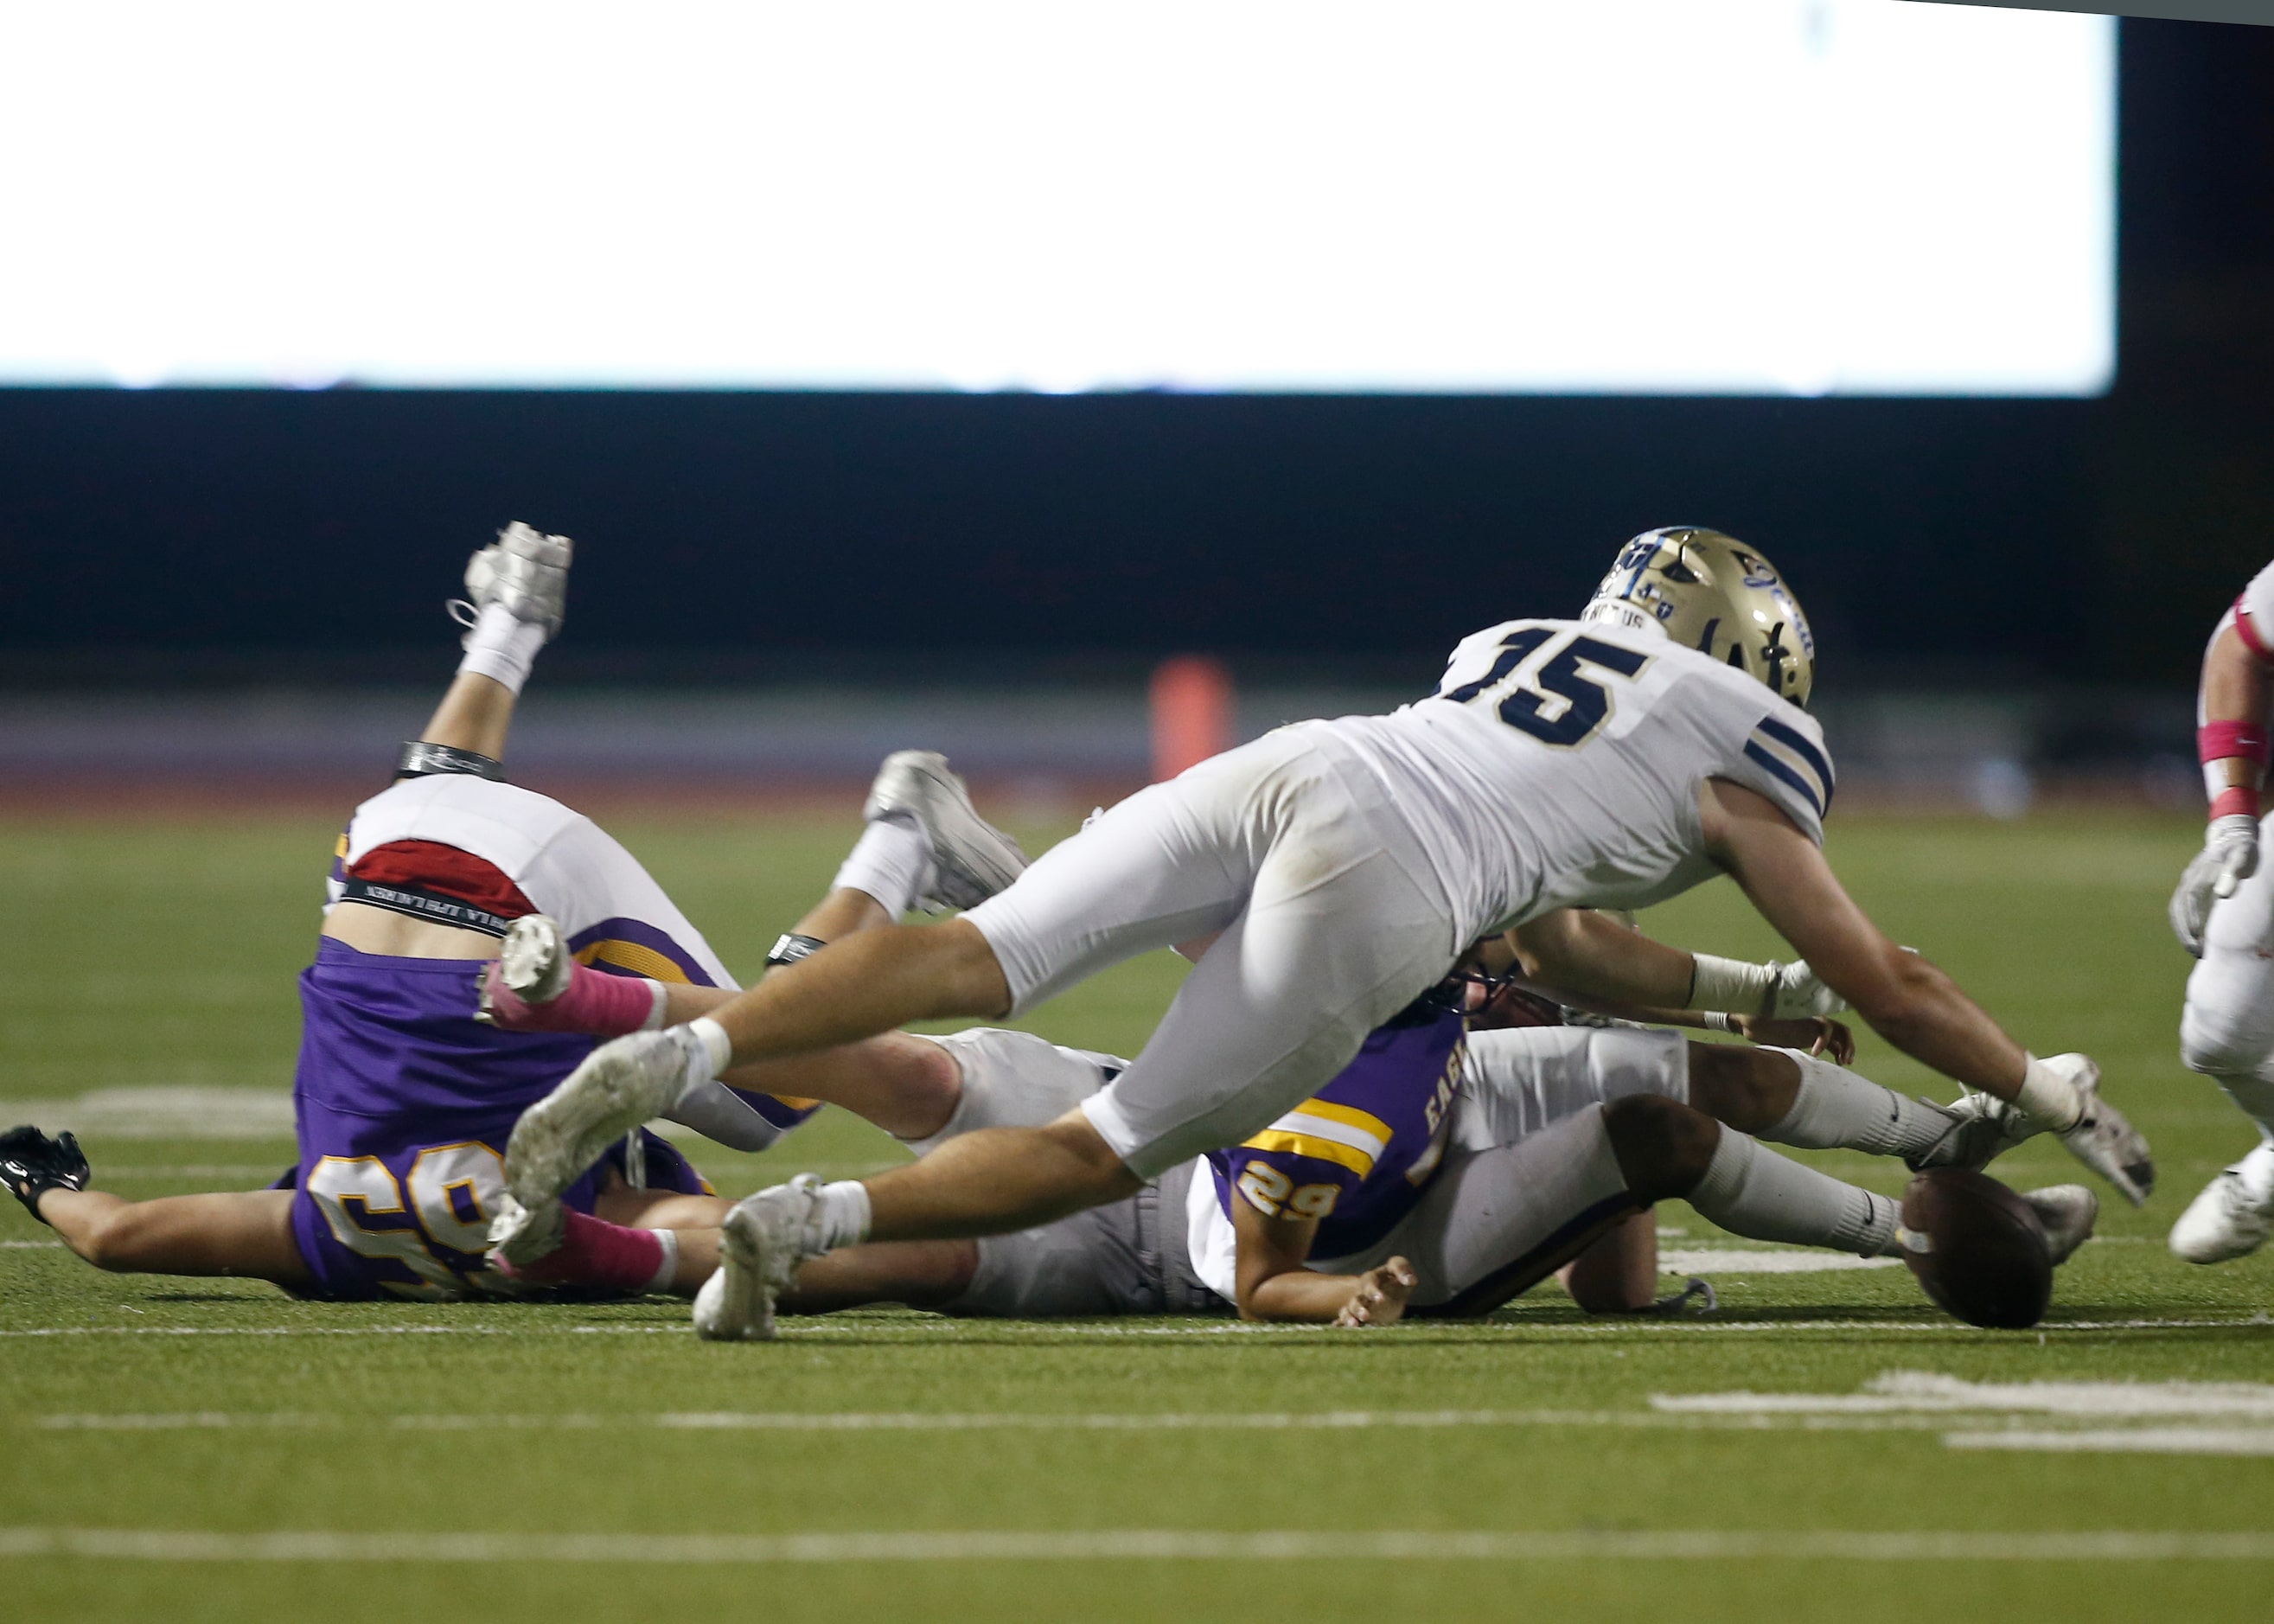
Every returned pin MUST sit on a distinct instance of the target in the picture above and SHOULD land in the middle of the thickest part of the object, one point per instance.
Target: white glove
(2229, 856)
(2100, 1136)
(1798, 993)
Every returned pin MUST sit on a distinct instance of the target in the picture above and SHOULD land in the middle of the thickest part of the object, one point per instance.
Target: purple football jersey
(1358, 1154)
(404, 1104)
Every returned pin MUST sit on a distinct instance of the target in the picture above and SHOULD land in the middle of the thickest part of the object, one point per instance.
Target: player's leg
(517, 592)
(1338, 934)
(1171, 863)
(2227, 1033)
(1789, 1097)
(1497, 1221)
(1532, 1076)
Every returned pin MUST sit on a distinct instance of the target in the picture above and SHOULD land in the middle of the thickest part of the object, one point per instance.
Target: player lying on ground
(1439, 1166)
(1344, 866)
(1452, 1195)
(400, 1097)
(2224, 913)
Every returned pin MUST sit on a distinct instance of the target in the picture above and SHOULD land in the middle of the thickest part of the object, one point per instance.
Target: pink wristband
(2240, 800)
(2220, 741)
(597, 1002)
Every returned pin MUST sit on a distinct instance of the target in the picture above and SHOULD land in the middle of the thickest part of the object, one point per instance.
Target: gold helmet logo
(1713, 593)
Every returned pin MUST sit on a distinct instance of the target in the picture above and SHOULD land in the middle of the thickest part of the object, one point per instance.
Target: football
(1977, 1249)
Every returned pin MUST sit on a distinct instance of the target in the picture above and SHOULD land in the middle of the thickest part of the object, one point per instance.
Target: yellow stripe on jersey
(1308, 1144)
(1349, 1116)
(630, 956)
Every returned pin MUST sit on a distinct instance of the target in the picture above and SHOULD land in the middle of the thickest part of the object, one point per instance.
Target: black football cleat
(32, 1164)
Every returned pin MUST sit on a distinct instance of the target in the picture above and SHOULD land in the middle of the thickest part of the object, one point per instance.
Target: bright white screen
(1644, 196)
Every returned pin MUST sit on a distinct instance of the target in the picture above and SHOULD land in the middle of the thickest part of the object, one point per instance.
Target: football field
(1827, 1445)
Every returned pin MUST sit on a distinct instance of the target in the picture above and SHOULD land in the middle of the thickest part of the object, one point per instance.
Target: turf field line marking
(261, 1170)
(858, 1421)
(1736, 1260)
(1919, 1391)
(1012, 1330)
(1144, 1545)
(31, 1246)
(2125, 1440)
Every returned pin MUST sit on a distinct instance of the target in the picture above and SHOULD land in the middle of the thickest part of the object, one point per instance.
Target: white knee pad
(1015, 1080)
(2213, 1041)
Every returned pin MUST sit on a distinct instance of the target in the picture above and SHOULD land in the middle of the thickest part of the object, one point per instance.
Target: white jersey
(605, 902)
(1558, 765)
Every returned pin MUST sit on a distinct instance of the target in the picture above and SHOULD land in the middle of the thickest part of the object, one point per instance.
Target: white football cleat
(2068, 1212)
(2229, 1219)
(971, 859)
(525, 569)
(1983, 1127)
(534, 960)
(623, 1083)
(761, 1244)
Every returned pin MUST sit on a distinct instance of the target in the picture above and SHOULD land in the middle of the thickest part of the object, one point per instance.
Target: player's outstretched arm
(1596, 962)
(1900, 995)
(244, 1233)
(1276, 1281)
(1905, 998)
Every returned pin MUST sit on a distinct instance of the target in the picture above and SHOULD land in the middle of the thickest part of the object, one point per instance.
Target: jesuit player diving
(1342, 868)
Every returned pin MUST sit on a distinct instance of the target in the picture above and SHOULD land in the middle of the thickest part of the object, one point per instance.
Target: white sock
(1836, 1109)
(503, 648)
(2048, 1098)
(892, 862)
(663, 1275)
(708, 1052)
(843, 1216)
(1764, 1197)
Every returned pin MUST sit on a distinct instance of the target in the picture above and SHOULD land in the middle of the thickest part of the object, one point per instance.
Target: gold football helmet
(1713, 593)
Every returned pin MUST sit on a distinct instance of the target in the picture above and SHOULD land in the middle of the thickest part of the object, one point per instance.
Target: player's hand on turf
(1798, 992)
(1380, 1299)
(1819, 1035)
(2229, 856)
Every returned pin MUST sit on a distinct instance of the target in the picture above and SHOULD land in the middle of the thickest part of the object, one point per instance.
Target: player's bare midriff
(394, 935)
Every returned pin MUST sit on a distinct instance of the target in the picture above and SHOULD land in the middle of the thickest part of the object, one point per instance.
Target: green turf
(164, 954)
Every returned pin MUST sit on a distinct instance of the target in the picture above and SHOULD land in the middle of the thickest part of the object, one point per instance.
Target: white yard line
(1144, 1545)
(1918, 1392)
(2127, 1440)
(1735, 1260)
(898, 1421)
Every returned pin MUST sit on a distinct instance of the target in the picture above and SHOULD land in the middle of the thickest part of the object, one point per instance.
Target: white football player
(2224, 914)
(1342, 868)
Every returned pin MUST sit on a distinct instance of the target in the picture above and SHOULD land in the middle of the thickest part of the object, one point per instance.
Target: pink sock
(597, 1002)
(593, 1252)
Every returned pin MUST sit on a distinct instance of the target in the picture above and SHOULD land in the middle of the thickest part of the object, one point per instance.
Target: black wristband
(421, 759)
(793, 947)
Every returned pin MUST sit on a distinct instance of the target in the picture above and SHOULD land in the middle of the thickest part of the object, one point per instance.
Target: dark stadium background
(183, 540)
